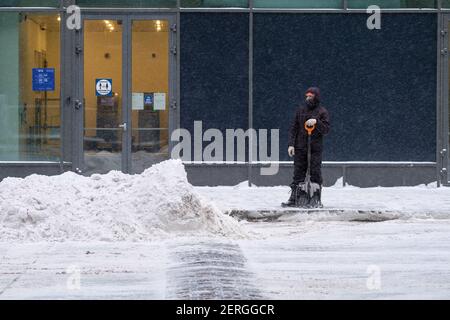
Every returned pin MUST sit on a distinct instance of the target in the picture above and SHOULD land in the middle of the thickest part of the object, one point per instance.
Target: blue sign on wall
(43, 79)
(148, 101)
(103, 87)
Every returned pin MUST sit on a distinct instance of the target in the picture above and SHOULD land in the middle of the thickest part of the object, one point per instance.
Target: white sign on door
(137, 101)
(159, 101)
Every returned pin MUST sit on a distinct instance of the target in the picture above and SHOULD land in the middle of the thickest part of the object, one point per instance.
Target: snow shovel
(306, 189)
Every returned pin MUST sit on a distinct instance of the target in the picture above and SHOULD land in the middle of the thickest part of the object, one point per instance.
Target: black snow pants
(301, 165)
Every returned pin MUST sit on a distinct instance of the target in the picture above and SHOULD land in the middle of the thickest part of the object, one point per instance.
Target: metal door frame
(78, 63)
(443, 98)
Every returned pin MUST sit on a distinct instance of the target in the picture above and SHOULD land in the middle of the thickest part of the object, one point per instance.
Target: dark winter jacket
(298, 136)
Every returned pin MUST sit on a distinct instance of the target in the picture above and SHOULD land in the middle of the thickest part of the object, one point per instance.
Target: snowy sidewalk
(309, 260)
(340, 203)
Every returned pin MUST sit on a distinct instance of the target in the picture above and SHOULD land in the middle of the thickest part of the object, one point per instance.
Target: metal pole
(250, 93)
(178, 72)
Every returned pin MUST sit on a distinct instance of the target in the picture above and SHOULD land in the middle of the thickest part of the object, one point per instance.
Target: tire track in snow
(21, 273)
(209, 270)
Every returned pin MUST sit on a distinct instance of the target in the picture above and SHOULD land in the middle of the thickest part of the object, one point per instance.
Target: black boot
(316, 200)
(291, 201)
(302, 196)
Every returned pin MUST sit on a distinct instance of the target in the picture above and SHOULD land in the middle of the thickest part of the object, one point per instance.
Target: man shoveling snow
(310, 124)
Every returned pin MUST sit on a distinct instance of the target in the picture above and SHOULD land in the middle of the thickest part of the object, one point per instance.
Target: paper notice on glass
(137, 101)
(159, 101)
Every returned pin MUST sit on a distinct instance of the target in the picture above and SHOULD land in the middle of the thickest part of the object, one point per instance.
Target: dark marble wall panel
(214, 70)
(379, 85)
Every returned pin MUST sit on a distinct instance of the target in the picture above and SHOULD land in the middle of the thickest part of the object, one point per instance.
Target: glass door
(127, 91)
(150, 47)
(104, 117)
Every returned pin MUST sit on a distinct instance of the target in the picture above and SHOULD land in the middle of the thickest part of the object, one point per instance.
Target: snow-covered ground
(309, 260)
(154, 236)
(420, 201)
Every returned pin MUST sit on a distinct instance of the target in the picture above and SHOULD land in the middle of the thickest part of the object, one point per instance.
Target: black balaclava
(311, 104)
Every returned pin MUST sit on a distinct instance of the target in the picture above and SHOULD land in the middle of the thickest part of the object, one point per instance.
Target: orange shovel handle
(310, 129)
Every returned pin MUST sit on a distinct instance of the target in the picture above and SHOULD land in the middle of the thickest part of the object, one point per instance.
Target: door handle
(78, 104)
(123, 126)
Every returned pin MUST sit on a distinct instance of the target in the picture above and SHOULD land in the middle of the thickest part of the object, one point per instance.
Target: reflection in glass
(30, 123)
(29, 3)
(386, 4)
(333, 4)
(128, 3)
(215, 3)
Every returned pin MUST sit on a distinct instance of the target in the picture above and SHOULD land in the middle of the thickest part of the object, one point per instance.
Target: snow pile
(339, 183)
(157, 203)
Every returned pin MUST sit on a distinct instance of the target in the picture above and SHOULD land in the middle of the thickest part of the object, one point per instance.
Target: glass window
(445, 4)
(29, 3)
(363, 4)
(215, 3)
(127, 3)
(102, 114)
(298, 4)
(149, 116)
(29, 87)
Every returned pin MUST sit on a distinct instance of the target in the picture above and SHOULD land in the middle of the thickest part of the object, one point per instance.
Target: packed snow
(157, 203)
(398, 259)
(154, 236)
(347, 203)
